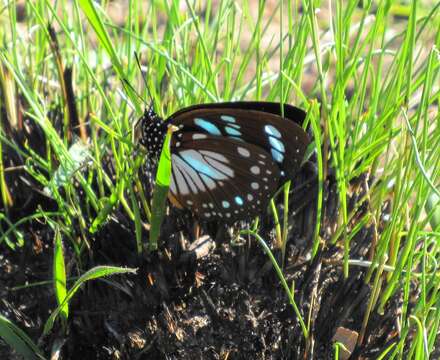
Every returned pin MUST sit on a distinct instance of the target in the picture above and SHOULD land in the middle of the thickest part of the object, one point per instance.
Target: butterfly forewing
(221, 178)
(289, 112)
(282, 138)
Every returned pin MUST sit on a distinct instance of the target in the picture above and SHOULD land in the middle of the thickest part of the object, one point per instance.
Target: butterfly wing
(220, 177)
(289, 112)
(255, 123)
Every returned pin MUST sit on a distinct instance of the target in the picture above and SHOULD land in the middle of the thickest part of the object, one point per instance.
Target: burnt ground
(206, 298)
(223, 301)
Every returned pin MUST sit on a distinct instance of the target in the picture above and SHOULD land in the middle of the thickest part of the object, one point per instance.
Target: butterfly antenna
(145, 81)
(127, 84)
(135, 125)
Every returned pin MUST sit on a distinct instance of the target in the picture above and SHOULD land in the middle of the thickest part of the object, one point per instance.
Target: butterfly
(228, 159)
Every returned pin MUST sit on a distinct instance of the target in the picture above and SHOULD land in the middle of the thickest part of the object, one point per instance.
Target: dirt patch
(208, 298)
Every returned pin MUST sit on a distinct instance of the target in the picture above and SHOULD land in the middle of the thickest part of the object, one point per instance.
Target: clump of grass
(372, 104)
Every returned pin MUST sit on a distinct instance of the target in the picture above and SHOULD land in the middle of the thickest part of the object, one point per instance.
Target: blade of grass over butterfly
(89, 9)
(18, 340)
(59, 275)
(95, 273)
(161, 190)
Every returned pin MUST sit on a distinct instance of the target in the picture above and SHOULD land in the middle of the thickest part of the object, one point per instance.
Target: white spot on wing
(208, 182)
(199, 136)
(255, 170)
(181, 183)
(191, 173)
(220, 167)
(243, 152)
(195, 160)
(215, 155)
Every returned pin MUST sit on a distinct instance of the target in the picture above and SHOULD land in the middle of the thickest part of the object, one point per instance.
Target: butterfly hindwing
(221, 178)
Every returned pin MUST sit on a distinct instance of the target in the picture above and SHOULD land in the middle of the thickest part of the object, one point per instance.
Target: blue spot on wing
(272, 130)
(228, 118)
(237, 138)
(276, 144)
(207, 126)
(225, 204)
(232, 131)
(277, 156)
(238, 200)
(194, 160)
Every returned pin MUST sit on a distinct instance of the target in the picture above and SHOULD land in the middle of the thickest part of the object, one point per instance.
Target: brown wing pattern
(282, 138)
(221, 178)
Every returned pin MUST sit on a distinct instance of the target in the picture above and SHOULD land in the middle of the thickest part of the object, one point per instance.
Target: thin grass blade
(59, 275)
(161, 191)
(95, 273)
(18, 340)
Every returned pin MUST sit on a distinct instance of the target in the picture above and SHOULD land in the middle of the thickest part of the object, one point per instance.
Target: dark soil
(206, 298)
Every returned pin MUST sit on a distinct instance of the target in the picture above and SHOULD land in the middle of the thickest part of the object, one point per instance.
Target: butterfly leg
(196, 229)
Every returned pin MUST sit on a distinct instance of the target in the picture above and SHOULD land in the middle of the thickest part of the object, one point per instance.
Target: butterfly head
(152, 131)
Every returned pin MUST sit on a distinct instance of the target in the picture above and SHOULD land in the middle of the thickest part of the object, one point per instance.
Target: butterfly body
(228, 159)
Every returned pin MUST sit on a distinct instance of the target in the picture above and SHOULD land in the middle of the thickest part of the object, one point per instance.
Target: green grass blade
(314, 122)
(89, 9)
(109, 205)
(160, 191)
(95, 273)
(79, 153)
(59, 275)
(433, 204)
(279, 272)
(18, 340)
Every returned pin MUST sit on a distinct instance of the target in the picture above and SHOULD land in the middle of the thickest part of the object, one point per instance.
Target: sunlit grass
(370, 85)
